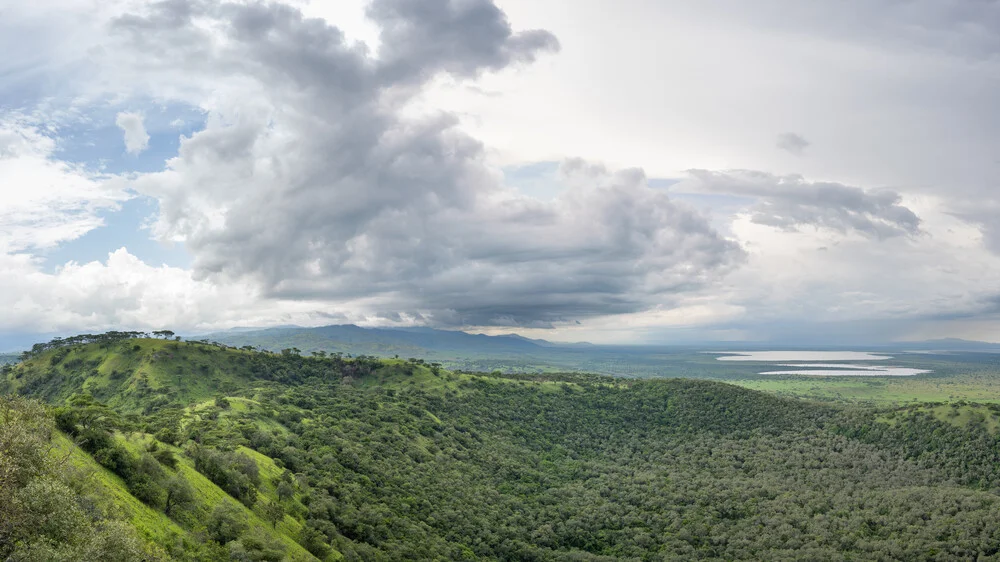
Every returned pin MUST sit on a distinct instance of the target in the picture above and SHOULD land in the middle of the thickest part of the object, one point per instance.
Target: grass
(979, 387)
(208, 495)
(157, 528)
(185, 372)
(958, 414)
(152, 525)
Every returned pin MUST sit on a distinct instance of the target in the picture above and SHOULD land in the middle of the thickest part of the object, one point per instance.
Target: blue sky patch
(96, 141)
(538, 179)
(122, 228)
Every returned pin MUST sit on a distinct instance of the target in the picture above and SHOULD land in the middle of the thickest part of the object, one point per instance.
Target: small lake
(812, 363)
(851, 371)
(776, 356)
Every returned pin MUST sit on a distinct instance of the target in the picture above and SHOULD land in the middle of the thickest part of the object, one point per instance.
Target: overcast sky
(642, 171)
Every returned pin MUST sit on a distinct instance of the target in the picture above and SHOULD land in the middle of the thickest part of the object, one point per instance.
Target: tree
(273, 513)
(42, 515)
(226, 522)
(180, 495)
(257, 547)
(286, 491)
(313, 541)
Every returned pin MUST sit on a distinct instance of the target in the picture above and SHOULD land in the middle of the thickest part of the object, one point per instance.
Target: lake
(852, 371)
(811, 363)
(776, 356)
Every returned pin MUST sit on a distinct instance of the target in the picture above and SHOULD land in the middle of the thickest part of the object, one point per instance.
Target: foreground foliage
(45, 512)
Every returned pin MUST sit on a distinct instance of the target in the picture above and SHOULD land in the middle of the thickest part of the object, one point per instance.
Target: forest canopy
(246, 455)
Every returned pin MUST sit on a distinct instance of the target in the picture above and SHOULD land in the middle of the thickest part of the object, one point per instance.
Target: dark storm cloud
(790, 203)
(309, 179)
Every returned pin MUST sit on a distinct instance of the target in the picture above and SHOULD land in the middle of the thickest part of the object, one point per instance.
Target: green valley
(165, 449)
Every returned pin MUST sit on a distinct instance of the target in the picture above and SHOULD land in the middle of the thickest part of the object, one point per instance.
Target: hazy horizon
(14, 343)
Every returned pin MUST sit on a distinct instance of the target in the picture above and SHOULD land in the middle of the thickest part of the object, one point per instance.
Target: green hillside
(199, 452)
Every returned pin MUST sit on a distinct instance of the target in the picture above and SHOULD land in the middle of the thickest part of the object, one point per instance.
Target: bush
(235, 473)
(226, 523)
(166, 458)
(256, 547)
(179, 496)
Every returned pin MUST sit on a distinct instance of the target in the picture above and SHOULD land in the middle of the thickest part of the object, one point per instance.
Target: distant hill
(383, 342)
(452, 348)
(515, 353)
(949, 344)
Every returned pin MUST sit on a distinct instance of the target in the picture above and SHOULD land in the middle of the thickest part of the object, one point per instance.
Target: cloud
(326, 186)
(136, 138)
(122, 291)
(955, 27)
(45, 201)
(313, 181)
(792, 143)
(791, 203)
(983, 213)
(460, 37)
(880, 290)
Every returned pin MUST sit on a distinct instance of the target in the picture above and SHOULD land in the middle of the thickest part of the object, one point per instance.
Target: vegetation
(45, 510)
(212, 453)
(956, 375)
(974, 382)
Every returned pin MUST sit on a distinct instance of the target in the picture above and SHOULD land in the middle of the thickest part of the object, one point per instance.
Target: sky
(644, 171)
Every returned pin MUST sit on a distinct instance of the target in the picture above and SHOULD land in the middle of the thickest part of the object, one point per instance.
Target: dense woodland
(244, 455)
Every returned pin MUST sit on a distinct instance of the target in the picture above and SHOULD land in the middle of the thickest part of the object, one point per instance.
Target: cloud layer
(318, 178)
(44, 201)
(313, 181)
(791, 203)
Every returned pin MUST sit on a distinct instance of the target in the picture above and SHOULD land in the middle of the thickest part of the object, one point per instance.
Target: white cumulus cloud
(136, 137)
(45, 201)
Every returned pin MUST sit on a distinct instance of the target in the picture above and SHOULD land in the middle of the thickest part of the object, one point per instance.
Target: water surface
(859, 372)
(814, 363)
(782, 356)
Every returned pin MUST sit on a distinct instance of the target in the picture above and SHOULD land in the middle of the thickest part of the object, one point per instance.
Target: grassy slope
(883, 390)
(193, 373)
(151, 524)
(156, 527)
(958, 414)
(190, 373)
(183, 372)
